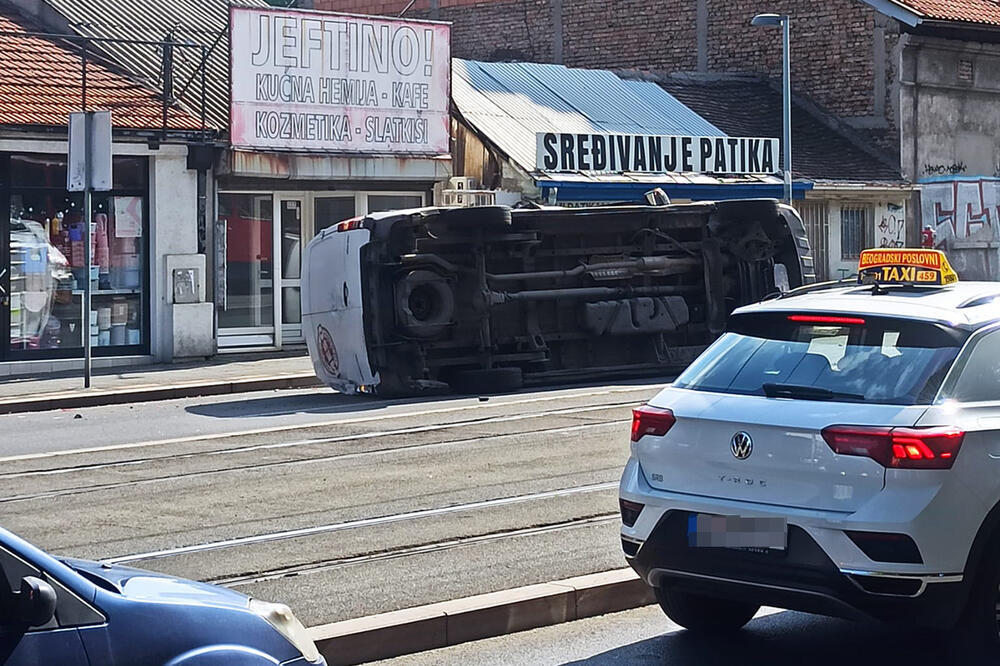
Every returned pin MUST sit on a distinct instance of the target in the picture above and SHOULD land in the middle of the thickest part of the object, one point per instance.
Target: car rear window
(828, 357)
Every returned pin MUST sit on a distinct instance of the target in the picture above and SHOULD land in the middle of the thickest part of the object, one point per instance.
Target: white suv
(836, 451)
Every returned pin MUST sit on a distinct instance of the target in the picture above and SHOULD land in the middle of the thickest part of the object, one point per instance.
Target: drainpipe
(202, 210)
(201, 157)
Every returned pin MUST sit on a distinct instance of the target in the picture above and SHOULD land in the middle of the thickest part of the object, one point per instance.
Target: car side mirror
(35, 604)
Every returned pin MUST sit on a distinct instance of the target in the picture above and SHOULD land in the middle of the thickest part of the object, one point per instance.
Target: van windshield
(828, 357)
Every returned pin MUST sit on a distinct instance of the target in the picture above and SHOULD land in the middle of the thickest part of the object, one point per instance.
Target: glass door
(246, 315)
(302, 216)
(292, 211)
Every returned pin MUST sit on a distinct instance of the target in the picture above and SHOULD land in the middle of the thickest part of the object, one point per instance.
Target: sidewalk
(221, 375)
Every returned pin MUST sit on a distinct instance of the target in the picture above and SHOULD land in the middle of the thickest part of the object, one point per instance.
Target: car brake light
(648, 420)
(350, 225)
(825, 319)
(900, 448)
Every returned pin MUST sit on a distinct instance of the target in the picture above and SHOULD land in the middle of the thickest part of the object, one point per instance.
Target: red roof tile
(40, 84)
(970, 11)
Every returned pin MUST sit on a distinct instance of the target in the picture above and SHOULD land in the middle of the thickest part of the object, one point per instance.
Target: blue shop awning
(602, 188)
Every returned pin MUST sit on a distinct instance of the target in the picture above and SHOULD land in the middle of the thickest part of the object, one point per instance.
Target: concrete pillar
(173, 192)
(880, 57)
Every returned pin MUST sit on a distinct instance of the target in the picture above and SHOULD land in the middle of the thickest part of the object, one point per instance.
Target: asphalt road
(340, 507)
(645, 637)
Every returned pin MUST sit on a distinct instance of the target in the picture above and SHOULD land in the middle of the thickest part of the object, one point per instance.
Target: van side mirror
(35, 604)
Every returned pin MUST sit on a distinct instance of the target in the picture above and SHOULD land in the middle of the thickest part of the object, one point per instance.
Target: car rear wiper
(806, 392)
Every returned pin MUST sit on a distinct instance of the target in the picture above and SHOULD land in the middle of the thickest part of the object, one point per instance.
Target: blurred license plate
(753, 534)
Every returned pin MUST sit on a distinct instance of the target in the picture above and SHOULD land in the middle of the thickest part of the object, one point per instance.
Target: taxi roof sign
(906, 267)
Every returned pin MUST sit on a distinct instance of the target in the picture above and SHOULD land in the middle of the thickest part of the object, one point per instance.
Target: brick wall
(630, 34)
(833, 51)
(501, 30)
(481, 30)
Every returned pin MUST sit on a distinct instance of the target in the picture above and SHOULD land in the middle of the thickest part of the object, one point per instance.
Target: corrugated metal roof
(511, 102)
(41, 84)
(201, 22)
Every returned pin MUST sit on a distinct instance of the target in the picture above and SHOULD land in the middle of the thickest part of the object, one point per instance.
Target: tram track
(67, 492)
(234, 581)
(316, 441)
(328, 528)
(471, 495)
(499, 404)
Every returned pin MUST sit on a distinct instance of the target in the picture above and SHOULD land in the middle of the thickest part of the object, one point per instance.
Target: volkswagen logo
(742, 445)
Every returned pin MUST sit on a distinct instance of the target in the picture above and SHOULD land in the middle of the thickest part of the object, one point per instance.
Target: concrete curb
(150, 393)
(473, 618)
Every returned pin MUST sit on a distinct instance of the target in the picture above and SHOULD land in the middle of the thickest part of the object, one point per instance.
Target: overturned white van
(490, 299)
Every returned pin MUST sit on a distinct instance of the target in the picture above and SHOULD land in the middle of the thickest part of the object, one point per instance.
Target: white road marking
(333, 440)
(423, 549)
(319, 424)
(93, 488)
(364, 522)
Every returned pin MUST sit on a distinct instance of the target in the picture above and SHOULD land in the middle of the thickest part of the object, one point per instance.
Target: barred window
(854, 225)
(815, 215)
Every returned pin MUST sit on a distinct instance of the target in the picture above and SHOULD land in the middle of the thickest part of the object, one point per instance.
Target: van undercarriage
(479, 299)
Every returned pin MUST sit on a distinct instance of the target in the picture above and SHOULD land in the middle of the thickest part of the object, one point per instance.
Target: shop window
(47, 263)
(328, 211)
(855, 222)
(247, 221)
(130, 173)
(382, 202)
(47, 171)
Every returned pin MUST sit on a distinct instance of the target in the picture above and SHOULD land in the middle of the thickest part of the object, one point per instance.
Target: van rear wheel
(704, 614)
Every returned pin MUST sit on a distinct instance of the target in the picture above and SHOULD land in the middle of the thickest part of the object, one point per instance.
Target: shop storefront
(142, 230)
(264, 234)
(529, 131)
(44, 261)
(340, 124)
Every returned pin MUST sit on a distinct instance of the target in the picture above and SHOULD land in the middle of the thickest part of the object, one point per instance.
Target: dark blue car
(81, 613)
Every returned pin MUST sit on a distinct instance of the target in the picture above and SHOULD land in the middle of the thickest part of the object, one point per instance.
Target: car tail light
(901, 448)
(351, 224)
(647, 420)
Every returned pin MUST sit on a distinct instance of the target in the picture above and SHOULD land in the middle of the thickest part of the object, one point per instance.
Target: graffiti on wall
(891, 229)
(961, 209)
(944, 169)
(962, 212)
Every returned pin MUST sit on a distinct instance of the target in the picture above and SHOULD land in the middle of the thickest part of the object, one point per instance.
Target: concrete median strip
(151, 392)
(473, 618)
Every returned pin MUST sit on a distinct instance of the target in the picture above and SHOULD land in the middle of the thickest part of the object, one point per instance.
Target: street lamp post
(784, 22)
